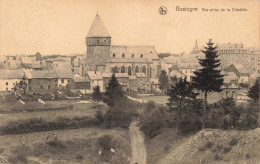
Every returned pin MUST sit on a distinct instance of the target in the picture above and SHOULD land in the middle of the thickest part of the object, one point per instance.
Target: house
(81, 84)
(64, 76)
(143, 83)
(9, 78)
(41, 81)
(95, 80)
(240, 71)
(230, 90)
(133, 84)
(188, 69)
(123, 80)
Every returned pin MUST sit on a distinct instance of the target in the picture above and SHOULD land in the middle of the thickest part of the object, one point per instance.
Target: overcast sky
(60, 26)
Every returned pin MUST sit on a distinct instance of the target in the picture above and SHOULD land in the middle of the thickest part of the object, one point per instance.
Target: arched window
(114, 55)
(129, 71)
(133, 55)
(122, 69)
(114, 69)
(123, 55)
(141, 55)
(136, 69)
(144, 70)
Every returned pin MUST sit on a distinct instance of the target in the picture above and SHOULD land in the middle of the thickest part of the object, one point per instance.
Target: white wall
(11, 84)
(99, 83)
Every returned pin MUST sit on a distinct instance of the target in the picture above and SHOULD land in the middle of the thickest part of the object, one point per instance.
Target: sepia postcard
(129, 81)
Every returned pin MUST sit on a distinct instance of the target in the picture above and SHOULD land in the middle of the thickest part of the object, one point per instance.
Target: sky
(60, 26)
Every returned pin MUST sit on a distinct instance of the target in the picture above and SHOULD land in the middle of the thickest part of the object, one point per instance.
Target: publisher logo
(163, 10)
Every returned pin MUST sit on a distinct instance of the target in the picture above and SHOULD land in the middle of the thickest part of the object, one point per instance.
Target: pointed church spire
(196, 45)
(98, 29)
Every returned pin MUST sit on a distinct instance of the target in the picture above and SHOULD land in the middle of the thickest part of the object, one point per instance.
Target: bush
(114, 118)
(150, 106)
(40, 125)
(208, 145)
(233, 142)
(226, 149)
(152, 123)
(21, 158)
(201, 148)
(218, 157)
(105, 142)
(56, 144)
(79, 157)
(100, 117)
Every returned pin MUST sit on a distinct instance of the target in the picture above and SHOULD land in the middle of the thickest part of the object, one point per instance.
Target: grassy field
(73, 146)
(79, 110)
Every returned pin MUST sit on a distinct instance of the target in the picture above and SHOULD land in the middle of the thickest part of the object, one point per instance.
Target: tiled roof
(147, 52)
(80, 79)
(240, 68)
(97, 28)
(11, 74)
(94, 75)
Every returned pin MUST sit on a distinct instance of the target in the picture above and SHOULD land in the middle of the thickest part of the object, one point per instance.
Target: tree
(180, 95)
(163, 80)
(253, 92)
(97, 96)
(208, 78)
(114, 92)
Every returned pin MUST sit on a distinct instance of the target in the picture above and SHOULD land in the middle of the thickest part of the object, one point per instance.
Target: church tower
(98, 43)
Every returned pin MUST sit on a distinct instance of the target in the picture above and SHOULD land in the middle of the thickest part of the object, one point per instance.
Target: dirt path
(137, 144)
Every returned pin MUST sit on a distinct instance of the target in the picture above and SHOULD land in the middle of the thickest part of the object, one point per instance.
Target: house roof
(239, 67)
(11, 74)
(189, 66)
(94, 75)
(121, 75)
(80, 79)
(140, 75)
(46, 74)
(137, 51)
(171, 59)
(128, 60)
(64, 73)
(106, 75)
(98, 29)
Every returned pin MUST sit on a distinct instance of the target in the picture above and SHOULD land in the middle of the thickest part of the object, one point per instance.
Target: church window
(136, 69)
(114, 55)
(129, 71)
(123, 55)
(122, 69)
(142, 56)
(144, 70)
(98, 41)
(133, 55)
(105, 41)
(114, 70)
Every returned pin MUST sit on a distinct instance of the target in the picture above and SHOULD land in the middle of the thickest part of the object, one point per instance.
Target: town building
(104, 57)
(9, 79)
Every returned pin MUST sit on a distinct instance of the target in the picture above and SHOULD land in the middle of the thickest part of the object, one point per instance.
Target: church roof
(98, 29)
(136, 52)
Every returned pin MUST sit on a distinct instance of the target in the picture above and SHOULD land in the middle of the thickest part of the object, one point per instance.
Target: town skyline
(28, 27)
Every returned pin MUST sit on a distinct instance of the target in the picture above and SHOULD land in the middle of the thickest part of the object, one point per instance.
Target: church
(107, 58)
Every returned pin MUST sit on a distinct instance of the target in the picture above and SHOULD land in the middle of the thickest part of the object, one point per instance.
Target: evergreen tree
(180, 95)
(208, 78)
(96, 96)
(163, 80)
(114, 92)
(253, 92)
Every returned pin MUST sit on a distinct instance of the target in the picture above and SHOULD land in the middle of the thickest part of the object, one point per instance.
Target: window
(123, 55)
(6, 83)
(133, 55)
(105, 41)
(49, 87)
(98, 41)
(41, 87)
(226, 93)
(114, 55)
(68, 80)
(62, 81)
(6, 89)
(142, 56)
